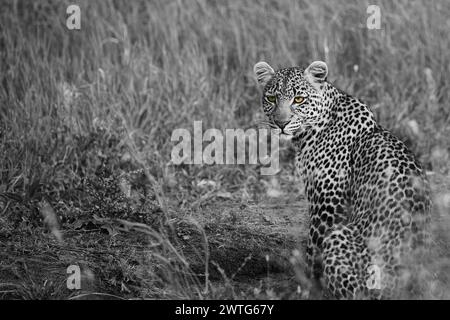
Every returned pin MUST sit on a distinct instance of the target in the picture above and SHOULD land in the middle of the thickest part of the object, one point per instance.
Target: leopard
(368, 196)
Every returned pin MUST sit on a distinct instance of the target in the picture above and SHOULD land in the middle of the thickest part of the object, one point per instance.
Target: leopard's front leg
(313, 256)
(323, 219)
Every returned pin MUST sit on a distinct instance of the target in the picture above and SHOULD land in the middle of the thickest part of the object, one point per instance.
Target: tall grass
(158, 65)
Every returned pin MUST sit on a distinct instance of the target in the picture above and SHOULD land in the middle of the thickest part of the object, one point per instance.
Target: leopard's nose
(281, 124)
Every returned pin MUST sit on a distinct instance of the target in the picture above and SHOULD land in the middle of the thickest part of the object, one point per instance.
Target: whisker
(268, 123)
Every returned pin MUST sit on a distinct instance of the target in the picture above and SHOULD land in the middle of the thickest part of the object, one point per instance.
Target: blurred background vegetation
(79, 106)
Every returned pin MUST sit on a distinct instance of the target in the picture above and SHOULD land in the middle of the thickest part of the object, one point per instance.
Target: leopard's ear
(263, 73)
(316, 72)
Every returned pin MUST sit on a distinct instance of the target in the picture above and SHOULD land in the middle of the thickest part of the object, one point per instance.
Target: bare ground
(244, 250)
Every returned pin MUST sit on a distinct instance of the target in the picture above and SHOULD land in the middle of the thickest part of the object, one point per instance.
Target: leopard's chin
(286, 136)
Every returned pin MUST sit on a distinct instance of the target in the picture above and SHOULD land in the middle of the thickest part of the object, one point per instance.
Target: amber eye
(271, 99)
(299, 99)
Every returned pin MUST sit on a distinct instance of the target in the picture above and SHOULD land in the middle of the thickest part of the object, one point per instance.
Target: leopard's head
(293, 98)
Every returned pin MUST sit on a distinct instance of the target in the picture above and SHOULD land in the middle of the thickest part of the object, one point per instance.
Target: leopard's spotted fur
(369, 197)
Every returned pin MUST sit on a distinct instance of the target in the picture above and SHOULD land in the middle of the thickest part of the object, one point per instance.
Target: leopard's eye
(299, 99)
(271, 99)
